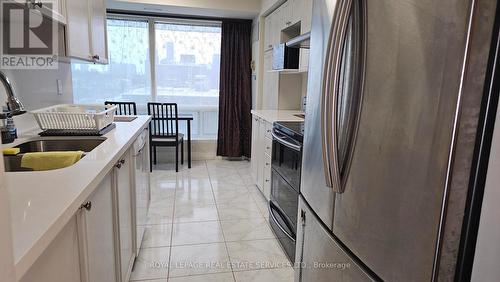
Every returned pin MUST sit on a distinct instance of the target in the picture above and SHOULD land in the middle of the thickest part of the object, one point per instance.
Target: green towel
(41, 161)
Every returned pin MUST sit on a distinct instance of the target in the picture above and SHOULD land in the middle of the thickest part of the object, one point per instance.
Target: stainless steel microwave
(285, 57)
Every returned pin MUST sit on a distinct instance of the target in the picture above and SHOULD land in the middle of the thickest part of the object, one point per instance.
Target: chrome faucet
(14, 108)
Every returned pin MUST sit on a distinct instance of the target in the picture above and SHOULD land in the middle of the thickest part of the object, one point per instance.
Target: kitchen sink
(13, 163)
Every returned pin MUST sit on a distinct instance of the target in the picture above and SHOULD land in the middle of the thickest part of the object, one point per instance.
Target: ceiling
(240, 9)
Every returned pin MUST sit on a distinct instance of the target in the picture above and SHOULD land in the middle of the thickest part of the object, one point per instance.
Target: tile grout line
(172, 230)
(222, 230)
(211, 243)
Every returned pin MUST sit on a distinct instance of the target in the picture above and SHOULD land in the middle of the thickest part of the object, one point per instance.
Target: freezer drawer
(318, 256)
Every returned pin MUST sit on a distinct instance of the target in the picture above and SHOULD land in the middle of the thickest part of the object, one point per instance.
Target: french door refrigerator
(384, 84)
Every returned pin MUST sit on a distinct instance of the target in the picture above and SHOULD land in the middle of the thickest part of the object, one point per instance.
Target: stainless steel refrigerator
(384, 82)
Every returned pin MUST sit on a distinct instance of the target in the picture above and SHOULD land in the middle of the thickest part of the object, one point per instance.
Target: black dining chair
(164, 131)
(124, 108)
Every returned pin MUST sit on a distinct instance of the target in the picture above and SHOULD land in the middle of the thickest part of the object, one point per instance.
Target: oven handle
(286, 143)
(271, 213)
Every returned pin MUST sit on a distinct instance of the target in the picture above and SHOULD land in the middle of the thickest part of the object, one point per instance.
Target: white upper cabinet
(305, 6)
(287, 14)
(98, 31)
(267, 33)
(54, 9)
(86, 30)
(78, 31)
(298, 11)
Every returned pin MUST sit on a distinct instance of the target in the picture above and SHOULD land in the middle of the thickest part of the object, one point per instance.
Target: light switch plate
(59, 87)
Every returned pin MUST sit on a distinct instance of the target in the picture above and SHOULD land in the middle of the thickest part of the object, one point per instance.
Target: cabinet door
(54, 9)
(255, 148)
(262, 136)
(98, 32)
(267, 176)
(286, 14)
(97, 231)
(78, 33)
(296, 11)
(60, 262)
(141, 200)
(123, 171)
(268, 36)
(276, 26)
(306, 15)
(270, 82)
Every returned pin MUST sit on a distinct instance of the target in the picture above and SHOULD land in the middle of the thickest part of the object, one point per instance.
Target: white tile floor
(209, 223)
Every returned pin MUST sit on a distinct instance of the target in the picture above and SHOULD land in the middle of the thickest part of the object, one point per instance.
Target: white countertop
(42, 203)
(278, 115)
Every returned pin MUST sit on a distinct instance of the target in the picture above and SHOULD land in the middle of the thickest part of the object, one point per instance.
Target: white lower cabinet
(60, 262)
(261, 154)
(97, 244)
(266, 185)
(106, 229)
(255, 149)
(97, 235)
(126, 230)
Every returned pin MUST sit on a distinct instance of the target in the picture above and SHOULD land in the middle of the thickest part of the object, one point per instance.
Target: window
(186, 69)
(127, 77)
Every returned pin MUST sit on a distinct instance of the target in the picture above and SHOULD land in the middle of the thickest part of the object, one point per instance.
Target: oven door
(287, 158)
(283, 209)
(285, 198)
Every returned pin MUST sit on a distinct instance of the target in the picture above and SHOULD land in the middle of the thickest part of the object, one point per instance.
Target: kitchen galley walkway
(209, 223)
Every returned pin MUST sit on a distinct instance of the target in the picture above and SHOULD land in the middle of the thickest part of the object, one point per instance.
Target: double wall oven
(285, 183)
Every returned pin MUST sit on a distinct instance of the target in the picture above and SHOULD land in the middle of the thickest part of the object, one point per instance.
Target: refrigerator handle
(331, 80)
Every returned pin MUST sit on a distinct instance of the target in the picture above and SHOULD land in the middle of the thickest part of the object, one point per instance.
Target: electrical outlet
(59, 87)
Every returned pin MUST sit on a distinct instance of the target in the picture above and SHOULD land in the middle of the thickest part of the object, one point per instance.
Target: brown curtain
(235, 98)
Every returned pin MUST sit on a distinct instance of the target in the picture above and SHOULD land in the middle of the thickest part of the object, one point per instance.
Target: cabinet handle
(34, 4)
(268, 147)
(267, 164)
(87, 206)
(120, 163)
(267, 180)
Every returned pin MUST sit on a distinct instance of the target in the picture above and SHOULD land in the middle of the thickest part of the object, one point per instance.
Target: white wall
(7, 272)
(487, 257)
(37, 89)
(200, 150)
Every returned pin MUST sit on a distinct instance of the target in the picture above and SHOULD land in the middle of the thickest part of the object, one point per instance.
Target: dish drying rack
(75, 120)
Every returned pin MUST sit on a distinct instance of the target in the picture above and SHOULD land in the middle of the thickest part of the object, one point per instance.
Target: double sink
(13, 163)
